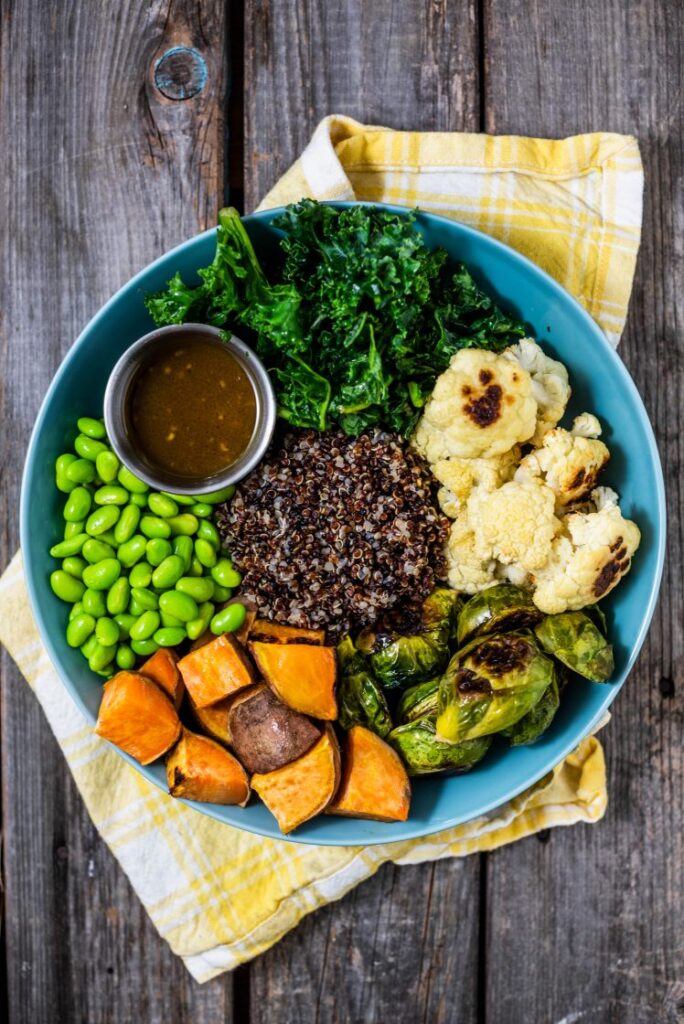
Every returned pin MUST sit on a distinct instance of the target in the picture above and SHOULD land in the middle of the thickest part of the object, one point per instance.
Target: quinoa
(331, 531)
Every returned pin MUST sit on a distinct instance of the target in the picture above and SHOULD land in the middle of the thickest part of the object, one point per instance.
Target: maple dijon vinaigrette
(193, 408)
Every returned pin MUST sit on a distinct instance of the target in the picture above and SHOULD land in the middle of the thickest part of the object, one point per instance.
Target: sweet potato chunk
(162, 669)
(199, 768)
(216, 670)
(304, 788)
(274, 632)
(267, 734)
(213, 720)
(137, 716)
(302, 675)
(374, 781)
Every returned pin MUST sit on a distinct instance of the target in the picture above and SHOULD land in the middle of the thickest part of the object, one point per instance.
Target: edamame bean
(125, 658)
(169, 620)
(81, 471)
(107, 631)
(183, 547)
(169, 636)
(88, 447)
(107, 465)
(224, 574)
(221, 593)
(65, 587)
(102, 575)
(95, 550)
(124, 622)
(153, 526)
(111, 494)
(197, 626)
(101, 657)
(79, 629)
(146, 625)
(77, 505)
(179, 605)
(92, 428)
(157, 550)
(200, 590)
(207, 531)
(161, 505)
(145, 598)
(185, 524)
(74, 529)
(214, 497)
(180, 499)
(62, 463)
(228, 619)
(168, 572)
(118, 596)
(205, 553)
(76, 609)
(196, 568)
(139, 499)
(201, 510)
(131, 482)
(102, 519)
(127, 524)
(146, 648)
(74, 565)
(94, 603)
(141, 575)
(135, 609)
(89, 646)
(71, 546)
(132, 551)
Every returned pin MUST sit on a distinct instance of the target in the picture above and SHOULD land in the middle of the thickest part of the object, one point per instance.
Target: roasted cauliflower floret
(567, 462)
(550, 385)
(588, 558)
(482, 405)
(459, 477)
(514, 524)
(468, 572)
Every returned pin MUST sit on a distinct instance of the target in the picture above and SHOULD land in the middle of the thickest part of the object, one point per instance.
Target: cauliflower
(586, 425)
(568, 462)
(550, 385)
(514, 524)
(460, 476)
(468, 572)
(588, 558)
(481, 406)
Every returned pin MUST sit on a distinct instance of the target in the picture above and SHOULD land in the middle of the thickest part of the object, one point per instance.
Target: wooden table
(108, 162)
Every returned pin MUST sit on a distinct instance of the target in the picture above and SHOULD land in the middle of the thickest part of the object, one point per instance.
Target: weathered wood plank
(101, 173)
(588, 926)
(403, 947)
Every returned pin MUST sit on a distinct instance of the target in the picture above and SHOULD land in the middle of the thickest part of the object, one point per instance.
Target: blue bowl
(600, 384)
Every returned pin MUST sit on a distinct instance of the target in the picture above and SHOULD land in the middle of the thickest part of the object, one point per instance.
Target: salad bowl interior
(600, 384)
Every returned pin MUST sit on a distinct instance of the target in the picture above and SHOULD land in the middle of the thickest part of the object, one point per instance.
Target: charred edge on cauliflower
(617, 567)
(486, 409)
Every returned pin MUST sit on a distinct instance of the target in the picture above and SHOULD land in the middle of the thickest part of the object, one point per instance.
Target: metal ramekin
(118, 420)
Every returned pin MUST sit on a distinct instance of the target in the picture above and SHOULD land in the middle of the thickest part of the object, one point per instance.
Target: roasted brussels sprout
(535, 722)
(490, 684)
(419, 700)
(424, 753)
(575, 640)
(496, 610)
(360, 699)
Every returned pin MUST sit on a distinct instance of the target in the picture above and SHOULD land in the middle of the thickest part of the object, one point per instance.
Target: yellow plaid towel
(220, 896)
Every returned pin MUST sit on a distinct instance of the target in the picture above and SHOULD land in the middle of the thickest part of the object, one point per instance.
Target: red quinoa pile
(330, 531)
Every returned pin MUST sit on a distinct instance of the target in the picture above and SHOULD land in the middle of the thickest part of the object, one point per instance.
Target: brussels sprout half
(424, 753)
(497, 609)
(399, 660)
(489, 685)
(360, 699)
(419, 700)
(575, 640)
(535, 722)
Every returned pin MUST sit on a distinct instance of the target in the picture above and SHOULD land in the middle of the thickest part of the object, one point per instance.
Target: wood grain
(589, 926)
(100, 173)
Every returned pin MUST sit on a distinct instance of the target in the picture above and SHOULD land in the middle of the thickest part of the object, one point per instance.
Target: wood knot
(180, 73)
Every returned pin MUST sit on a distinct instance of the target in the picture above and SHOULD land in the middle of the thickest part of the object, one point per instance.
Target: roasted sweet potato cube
(213, 719)
(374, 781)
(199, 768)
(275, 632)
(216, 670)
(162, 669)
(137, 716)
(302, 675)
(267, 734)
(304, 788)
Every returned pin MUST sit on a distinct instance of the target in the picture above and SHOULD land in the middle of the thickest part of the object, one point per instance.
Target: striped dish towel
(220, 896)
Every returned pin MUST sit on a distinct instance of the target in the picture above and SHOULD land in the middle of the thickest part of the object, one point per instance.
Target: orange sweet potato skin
(374, 781)
(302, 675)
(267, 734)
(302, 789)
(199, 768)
(216, 670)
(275, 632)
(137, 716)
(162, 669)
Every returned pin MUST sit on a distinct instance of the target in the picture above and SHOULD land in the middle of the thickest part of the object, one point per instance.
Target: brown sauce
(193, 409)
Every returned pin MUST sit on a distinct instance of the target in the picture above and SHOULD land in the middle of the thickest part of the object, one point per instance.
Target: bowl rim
(513, 790)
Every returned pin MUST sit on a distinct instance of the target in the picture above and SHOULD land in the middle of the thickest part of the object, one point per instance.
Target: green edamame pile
(141, 569)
